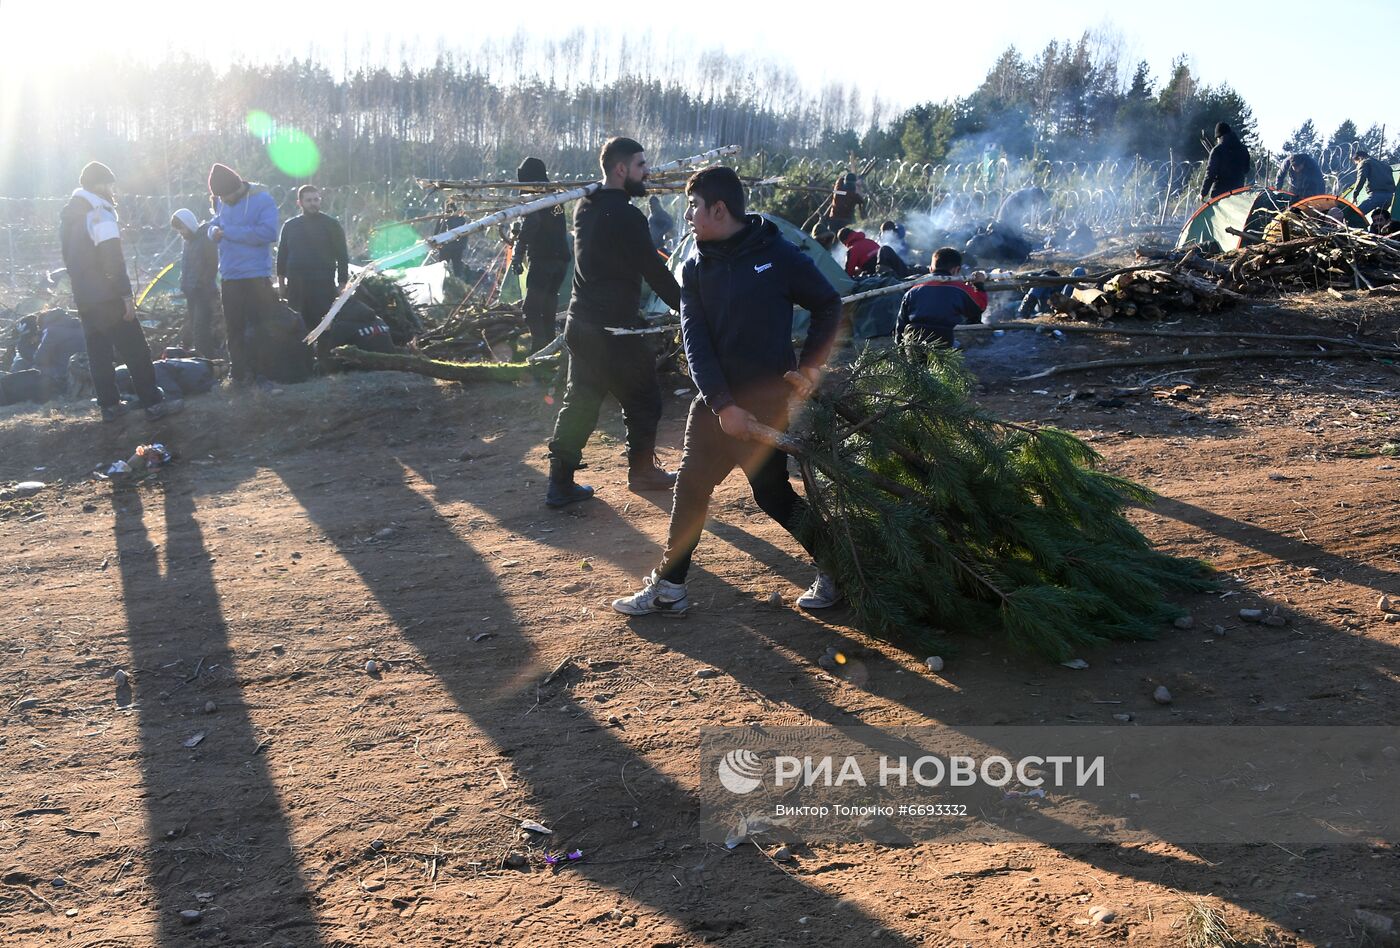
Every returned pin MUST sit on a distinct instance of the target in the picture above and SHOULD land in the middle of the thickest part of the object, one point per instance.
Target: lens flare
(386, 241)
(291, 150)
(260, 124)
(294, 153)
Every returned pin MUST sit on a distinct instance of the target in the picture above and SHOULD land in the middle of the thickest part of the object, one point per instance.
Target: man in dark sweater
(737, 296)
(543, 246)
(313, 264)
(1301, 176)
(612, 255)
(1228, 165)
(92, 252)
(199, 275)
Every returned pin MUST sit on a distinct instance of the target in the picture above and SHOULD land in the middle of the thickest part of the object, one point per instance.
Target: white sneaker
(656, 595)
(822, 594)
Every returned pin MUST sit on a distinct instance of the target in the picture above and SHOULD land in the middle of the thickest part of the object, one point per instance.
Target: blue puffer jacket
(250, 229)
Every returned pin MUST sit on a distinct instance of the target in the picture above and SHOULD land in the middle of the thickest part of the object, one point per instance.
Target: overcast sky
(1290, 59)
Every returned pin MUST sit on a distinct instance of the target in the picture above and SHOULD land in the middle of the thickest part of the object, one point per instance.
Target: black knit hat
(94, 175)
(223, 180)
(531, 169)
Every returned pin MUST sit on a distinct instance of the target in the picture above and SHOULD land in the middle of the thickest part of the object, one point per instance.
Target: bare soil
(385, 517)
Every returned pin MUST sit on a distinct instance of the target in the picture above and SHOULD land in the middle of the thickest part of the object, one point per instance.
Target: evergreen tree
(1374, 142)
(1304, 139)
(1345, 136)
(1340, 145)
(936, 517)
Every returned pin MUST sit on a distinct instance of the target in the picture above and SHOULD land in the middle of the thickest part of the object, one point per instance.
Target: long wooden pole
(492, 220)
(1302, 355)
(999, 286)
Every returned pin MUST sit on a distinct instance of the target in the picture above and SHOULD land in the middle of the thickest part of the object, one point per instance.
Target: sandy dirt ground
(250, 770)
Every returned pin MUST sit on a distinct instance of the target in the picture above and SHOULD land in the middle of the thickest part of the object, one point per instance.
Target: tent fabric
(1246, 209)
(1342, 211)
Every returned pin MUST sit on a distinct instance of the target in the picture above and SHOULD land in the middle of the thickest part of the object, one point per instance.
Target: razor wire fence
(1120, 195)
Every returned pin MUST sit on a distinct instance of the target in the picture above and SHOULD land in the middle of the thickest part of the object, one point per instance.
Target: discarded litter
(194, 739)
(148, 458)
(1037, 793)
(1078, 664)
(534, 827)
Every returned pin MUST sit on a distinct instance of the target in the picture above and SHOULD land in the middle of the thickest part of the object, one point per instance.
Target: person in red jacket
(861, 252)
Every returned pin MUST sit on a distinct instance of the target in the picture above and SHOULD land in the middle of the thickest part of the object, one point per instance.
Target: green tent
(1339, 209)
(1248, 210)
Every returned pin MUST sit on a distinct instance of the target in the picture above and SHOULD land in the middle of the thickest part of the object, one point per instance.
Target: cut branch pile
(1344, 259)
(1302, 249)
(936, 517)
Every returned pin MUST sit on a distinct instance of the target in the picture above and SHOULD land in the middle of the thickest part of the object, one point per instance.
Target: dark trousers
(542, 283)
(311, 297)
(602, 364)
(200, 333)
(246, 302)
(709, 456)
(1377, 199)
(112, 339)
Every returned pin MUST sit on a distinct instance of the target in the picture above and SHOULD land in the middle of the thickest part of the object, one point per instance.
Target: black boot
(562, 489)
(644, 474)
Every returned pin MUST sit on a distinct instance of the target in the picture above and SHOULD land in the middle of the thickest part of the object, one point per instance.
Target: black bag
(275, 339)
(25, 386)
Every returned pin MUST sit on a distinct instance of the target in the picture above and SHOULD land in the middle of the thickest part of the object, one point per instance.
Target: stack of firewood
(1146, 294)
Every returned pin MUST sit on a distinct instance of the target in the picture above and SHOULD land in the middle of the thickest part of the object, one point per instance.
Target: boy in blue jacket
(737, 298)
(245, 227)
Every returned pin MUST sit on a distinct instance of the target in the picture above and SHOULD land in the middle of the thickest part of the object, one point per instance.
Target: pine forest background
(1074, 104)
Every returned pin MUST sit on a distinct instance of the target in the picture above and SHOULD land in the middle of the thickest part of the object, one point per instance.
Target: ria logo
(741, 771)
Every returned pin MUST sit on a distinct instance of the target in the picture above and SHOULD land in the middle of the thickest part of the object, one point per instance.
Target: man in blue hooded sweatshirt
(245, 227)
(737, 296)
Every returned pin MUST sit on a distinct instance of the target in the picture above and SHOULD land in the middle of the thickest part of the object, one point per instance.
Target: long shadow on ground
(593, 803)
(214, 818)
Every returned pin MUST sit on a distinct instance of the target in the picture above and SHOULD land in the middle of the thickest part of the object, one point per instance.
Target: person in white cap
(199, 273)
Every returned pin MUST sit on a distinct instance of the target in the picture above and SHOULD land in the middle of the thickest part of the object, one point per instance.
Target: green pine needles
(935, 516)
